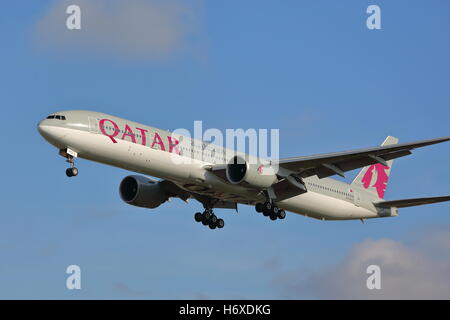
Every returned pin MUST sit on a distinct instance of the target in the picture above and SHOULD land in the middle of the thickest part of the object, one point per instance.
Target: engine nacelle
(240, 171)
(142, 192)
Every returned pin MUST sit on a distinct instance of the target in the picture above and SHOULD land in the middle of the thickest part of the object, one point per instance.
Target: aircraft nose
(42, 128)
(48, 131)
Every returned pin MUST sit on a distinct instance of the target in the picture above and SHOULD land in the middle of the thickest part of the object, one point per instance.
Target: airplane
(300, 185)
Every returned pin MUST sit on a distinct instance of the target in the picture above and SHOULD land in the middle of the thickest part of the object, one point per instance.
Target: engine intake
(240, 171)
(142, 192)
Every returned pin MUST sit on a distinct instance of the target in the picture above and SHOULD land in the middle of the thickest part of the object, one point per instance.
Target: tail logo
(381, 179)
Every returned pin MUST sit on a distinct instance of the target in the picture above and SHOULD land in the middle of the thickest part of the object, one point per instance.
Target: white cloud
(421, 271)
(130, 29)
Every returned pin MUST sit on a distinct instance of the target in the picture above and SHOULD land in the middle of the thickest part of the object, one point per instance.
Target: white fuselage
(150, 151)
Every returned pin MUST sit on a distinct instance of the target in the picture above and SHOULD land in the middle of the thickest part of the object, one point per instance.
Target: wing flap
(411, 202)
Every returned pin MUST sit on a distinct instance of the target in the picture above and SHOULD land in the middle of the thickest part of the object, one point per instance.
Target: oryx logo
(260, 169)
(378, 182)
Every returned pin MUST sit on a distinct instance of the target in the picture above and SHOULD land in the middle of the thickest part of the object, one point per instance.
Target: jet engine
(142, 192)
(240, 171)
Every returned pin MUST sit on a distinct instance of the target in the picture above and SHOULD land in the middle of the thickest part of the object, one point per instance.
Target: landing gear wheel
(275, 210)
(267, 209)
(208, 218)
(74, 171)
(198, 217)
(273, 217)
(205, 218)
(259, 207)
(207, 215)
(71, 172)
(205, 222)
(281, 214)
(212, 225)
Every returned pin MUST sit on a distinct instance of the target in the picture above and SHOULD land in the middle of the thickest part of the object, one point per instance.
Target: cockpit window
(52, 116)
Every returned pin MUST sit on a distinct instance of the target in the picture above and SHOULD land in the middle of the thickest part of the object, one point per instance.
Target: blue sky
(310, 68)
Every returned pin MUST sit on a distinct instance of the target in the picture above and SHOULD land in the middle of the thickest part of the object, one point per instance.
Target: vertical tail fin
(374, 178)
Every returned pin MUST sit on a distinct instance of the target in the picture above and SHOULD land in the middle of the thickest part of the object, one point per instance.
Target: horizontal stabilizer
(410, 202)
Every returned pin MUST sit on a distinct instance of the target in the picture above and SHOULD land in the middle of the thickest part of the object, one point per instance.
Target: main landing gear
(208, 218)
(271, 210)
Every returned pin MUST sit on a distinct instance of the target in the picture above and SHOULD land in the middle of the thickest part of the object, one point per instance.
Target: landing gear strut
(208, 218)
(72, 171)
(269, 209)
(70, 155)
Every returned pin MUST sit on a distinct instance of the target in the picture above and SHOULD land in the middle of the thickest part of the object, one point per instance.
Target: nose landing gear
(71, 172)
(70, 155)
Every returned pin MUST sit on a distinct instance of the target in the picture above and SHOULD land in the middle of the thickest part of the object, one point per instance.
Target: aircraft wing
(328, 164)
(410, 202)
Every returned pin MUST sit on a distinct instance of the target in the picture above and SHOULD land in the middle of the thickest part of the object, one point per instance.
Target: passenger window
(58, 117)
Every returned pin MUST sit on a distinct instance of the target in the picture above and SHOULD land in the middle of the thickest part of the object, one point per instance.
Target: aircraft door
(93, 125)
(357, 198)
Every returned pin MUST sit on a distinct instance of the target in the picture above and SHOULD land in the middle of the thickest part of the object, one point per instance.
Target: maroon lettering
(128, 133)
(157, 140)
(144, 136)
(103, 130)
(173, 145)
